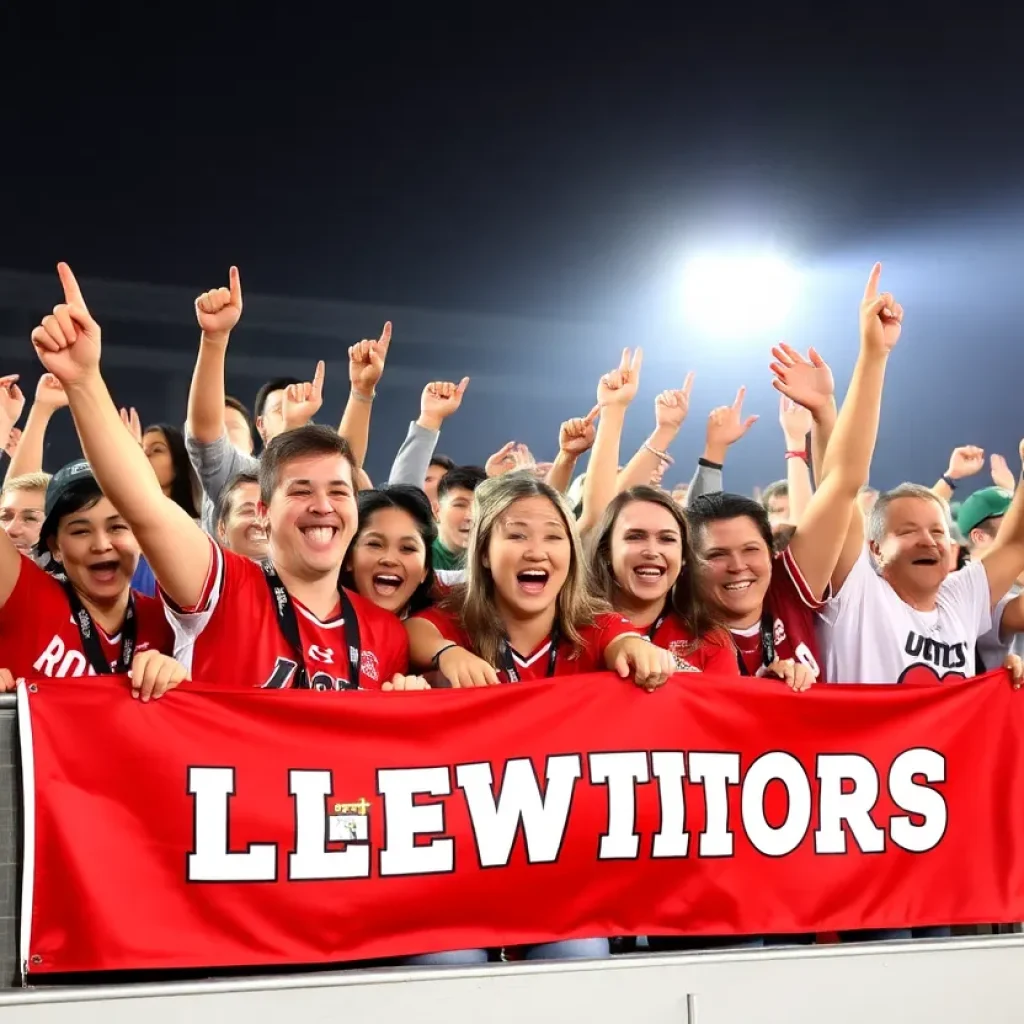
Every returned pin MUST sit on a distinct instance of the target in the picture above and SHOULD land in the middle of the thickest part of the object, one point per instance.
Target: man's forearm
(206, 395)
(560, 473)
(355, 424)
(29, 456)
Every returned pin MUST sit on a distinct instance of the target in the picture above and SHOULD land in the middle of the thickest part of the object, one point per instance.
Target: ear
(876, 551)
(222, 533)
(51, 543)
(485, 560)
(436, 509)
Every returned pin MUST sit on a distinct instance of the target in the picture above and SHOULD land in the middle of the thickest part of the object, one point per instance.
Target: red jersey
(39, 636)
(538, 663)
(792, 606)
(232, 636)
(713, 654)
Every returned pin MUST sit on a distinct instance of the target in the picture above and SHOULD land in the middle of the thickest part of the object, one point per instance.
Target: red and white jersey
(232, 636)
(534, 665)
(871, 635)
(713, 654)
(792, 606)
(39, 636)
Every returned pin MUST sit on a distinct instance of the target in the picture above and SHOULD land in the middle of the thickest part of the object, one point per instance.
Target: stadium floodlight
(737, 296)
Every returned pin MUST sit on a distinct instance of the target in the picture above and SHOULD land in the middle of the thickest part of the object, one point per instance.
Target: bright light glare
(737, 296)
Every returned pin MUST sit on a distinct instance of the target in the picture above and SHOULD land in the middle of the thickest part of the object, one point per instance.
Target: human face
(154, 444)
(647, 553)
(914, 555)
(734, 570)
(778, 510)
(21, 516)
(312, 515)
(434, 474)
(455, 519)
(98, 551)
(389, 559)
(270, 422)
(237, 427)
(529, 555)
(242, 529)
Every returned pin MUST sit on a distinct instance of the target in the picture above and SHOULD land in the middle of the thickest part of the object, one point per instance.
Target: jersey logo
(934, 652)
(678, 649)
(779, 632)
(368, 665)
(926, 674)
(322, 654)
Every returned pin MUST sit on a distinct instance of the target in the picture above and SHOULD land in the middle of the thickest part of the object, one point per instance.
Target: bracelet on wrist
(360, 397)
(795, 453)
(434, 661)
(663, 456)
(708, 464)
(949, 481)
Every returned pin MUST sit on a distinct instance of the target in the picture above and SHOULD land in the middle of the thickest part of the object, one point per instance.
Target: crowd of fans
(174, 553)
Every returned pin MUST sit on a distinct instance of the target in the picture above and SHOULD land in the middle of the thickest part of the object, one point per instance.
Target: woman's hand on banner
(1015, 666)
(635, 656)
(465, 670)
(405, 683)
(153, 674)
(8, 683)
(797, 676)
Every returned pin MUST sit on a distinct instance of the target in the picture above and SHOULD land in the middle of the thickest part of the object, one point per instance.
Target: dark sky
(490, 159)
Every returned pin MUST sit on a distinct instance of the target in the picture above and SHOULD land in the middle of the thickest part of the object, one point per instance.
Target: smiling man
(284, 623)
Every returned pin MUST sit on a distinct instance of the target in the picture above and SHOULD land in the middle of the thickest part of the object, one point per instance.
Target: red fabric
(606, 628)
(714, 654)
(38, 636)
(239, 643)
(114, 821)
(792, 606)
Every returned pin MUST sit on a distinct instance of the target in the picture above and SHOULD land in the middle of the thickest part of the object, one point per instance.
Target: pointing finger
(638, 360)
(871, 288)
(688, 384)
(318, 378)
(385, 339)
(235, 287)
(592, 415)
(72, 292)
(740, 395)
(624, 360)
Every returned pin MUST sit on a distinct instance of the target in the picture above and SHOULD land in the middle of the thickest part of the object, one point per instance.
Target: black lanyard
(508, 665)
(767, 643)
(289, 625)
(88, 632)
(656, 625)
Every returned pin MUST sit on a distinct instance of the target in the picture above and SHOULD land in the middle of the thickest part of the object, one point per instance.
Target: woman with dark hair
(389, 560)
(640, 559)
(164, 446)
(81, 617)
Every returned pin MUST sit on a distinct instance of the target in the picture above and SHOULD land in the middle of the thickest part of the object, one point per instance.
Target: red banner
(245, 828)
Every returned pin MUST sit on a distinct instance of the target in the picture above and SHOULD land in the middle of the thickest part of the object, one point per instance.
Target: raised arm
(68, 344)
(365, 367)
(49, 398)
(12, 405)
(615, 390)
(575, 438)
(1004, 557)
(796, 423)
(670, 409)
(968, 460)
(829, 539)
(218, 312)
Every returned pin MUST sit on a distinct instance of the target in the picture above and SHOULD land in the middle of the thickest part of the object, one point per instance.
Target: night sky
(556, 166)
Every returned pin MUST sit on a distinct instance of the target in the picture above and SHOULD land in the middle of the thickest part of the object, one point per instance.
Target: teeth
(388, 581)
(653, 573)
(319, 534)
(738, 586)
(533, 575)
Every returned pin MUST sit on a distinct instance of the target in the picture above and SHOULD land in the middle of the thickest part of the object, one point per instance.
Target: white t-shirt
(995, 645)
(870, 635)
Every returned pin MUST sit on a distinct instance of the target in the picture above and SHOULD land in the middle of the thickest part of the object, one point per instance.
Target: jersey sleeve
(608, 627)
(446, 624)
(787, 562)
(970, 597)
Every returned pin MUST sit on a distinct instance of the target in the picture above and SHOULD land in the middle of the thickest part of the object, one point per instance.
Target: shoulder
(373, 615)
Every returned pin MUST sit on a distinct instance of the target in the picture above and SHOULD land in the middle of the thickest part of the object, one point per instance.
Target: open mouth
(533, 581)
(649, 573)
(929, 560)
(319, 538)
(256, 534)
(386, 584)
(738, 586)
(104, 572)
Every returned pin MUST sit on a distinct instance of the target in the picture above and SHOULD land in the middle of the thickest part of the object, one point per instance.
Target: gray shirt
(413, 458)
(994, 646)
(217, 463)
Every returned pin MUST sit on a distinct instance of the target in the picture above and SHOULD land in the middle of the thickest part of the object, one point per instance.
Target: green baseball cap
(988, 503)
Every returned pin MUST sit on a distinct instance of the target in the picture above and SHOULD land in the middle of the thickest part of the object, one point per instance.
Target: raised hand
(68, 340)
(965, 461)
(726, 424)
(576, 436)
(808, 382)
(366, 362)
(439, 400)
(1002, 475)
(132, 423)
(502, 461)
(619, 386)
(881, 316)
(301, 402)
(50, 393)
(796, 422)
(12, 400)
(12, 441)
(219, 310)
(672, 406)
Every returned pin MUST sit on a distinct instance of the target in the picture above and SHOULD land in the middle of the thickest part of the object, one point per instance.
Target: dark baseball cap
(67, 478)
(988, 503)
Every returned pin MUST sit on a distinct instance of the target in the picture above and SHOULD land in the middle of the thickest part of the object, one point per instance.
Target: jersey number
(284, 672)
(804, 656)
